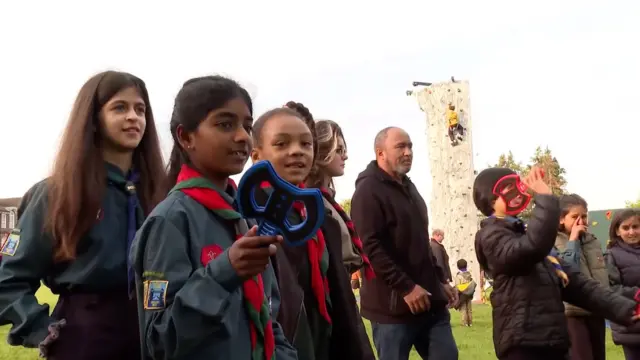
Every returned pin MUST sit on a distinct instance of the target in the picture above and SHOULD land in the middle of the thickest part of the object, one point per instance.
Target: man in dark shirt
(407, 300)
(440, 253)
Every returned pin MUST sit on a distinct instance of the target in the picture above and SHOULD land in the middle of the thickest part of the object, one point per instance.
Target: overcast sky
(558, 74)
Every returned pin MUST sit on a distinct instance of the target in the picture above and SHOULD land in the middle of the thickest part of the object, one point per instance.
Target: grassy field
(474, 342)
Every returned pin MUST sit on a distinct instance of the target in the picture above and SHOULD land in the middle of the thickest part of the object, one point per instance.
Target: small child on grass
(466, 287)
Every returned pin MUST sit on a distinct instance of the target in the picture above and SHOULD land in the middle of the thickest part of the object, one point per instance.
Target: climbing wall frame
(451, 205)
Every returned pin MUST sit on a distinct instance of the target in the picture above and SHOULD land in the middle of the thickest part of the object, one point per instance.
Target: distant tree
(634, 204)
(346, 206)
(507, 161)
(553, 172)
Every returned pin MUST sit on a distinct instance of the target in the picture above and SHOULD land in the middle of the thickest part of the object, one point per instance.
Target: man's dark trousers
(430, 333)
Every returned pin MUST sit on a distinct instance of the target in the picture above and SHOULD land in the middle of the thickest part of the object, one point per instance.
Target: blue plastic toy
(272, 216)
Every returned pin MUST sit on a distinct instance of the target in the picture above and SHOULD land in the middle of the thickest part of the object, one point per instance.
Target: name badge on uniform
(10, 245)
(155, 294)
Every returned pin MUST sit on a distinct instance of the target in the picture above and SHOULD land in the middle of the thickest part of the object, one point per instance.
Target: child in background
(582, 250)
(487, 287)
(355, 280)
(455, 129)
(623, 263)
(466, 286)
(529, 283)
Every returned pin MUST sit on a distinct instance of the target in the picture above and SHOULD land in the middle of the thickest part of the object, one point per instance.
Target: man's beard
(402, 170)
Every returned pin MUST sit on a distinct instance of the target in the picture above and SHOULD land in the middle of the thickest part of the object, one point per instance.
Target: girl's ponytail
(176, 160)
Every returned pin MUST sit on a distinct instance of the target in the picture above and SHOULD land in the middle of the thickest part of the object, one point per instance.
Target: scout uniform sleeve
(27, 255)
(284, 350)
(182, 307)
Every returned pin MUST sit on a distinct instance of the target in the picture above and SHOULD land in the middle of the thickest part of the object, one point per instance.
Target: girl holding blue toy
(318, 313)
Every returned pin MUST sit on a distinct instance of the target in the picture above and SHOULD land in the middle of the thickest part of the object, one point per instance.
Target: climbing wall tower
(451, 206)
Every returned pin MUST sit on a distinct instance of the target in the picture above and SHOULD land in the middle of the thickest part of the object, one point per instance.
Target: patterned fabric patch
(155, 294)
(209, 253)
(10, 245)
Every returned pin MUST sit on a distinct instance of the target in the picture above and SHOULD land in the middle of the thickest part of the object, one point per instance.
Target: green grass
(474, 342)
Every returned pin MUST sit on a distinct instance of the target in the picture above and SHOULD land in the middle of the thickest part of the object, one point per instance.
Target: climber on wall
(455, 128)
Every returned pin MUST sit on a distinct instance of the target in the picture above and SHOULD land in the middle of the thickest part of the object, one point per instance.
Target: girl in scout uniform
(319, 314)
(205, 287)
(330, 161)
(75, 233)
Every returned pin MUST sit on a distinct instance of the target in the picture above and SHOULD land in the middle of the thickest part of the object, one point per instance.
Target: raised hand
(535, 182)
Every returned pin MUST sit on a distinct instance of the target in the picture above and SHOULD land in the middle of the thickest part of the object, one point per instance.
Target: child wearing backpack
(466, 287)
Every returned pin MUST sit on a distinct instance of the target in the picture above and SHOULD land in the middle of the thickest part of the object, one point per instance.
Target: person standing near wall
(440, 253)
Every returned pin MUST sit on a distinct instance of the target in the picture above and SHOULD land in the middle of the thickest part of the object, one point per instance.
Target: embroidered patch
(10, 245)
(148, 275)
(155, 294)
(209, 253)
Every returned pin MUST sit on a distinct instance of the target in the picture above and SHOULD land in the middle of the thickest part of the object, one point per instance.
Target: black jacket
(391, 219)
(527, 293)
(442, 258)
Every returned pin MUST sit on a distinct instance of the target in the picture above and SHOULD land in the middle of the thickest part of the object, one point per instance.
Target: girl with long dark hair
(76, 231)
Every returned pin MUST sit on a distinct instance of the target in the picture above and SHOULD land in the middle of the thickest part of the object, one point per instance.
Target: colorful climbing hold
(608, 215)
(594, 223)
